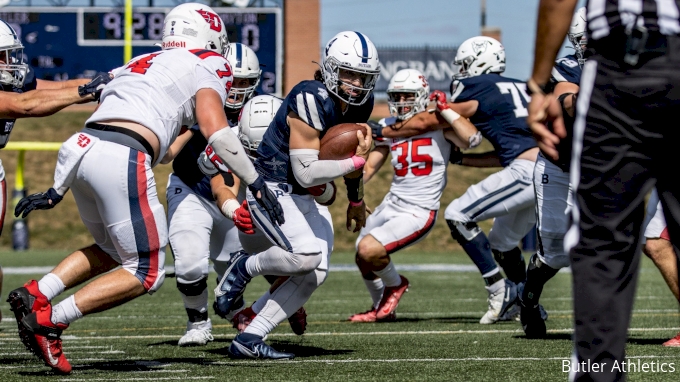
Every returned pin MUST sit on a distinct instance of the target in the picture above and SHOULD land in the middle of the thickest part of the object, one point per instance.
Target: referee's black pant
(626, 139)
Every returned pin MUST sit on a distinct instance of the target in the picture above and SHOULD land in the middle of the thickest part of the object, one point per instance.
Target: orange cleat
(390, 299)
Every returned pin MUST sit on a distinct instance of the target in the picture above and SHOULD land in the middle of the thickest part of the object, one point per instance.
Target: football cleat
(532, 322)
(298, 321)
(511, 315)
(673, 342)
(46, 339)
(197, 334)
(24, 301)
(251, 346)
(242, 319)
(500, 300)
(390, 299)
(370, 316)
(232, 285)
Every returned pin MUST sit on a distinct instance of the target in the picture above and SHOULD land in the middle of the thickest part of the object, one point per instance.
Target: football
(340, 141)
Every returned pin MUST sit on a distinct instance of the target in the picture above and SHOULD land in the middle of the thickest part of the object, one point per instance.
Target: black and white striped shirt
(605, 16)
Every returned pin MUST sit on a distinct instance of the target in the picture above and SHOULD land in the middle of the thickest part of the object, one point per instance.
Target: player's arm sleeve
(309, 171)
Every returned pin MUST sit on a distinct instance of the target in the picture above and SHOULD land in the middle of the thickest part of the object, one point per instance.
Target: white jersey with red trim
(158, 90)
(419, 164)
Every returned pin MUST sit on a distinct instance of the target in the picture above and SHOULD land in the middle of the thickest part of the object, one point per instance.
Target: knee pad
(193, 289)
(512, 263)
(463, 232)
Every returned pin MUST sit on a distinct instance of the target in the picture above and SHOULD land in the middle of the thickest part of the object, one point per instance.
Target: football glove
(242, 219)
(376, 128)
(267, 200)
(40, 201)
(456, 156)
(95, 86)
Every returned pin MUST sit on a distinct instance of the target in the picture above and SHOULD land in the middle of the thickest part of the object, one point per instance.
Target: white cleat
(502, 296)
(198, 334)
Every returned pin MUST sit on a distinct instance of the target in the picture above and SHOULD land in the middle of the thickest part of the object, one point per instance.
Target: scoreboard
(62, 43)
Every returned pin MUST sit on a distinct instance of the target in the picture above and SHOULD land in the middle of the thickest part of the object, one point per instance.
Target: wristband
(358, 162)
(355, 204)
(449, 115)
(229, 207)
(355, 189)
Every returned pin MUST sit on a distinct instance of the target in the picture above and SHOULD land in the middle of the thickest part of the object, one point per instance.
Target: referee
(625, 141)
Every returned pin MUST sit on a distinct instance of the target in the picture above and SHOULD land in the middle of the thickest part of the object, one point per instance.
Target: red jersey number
(225, 73)
(423, 161)
(142, 65)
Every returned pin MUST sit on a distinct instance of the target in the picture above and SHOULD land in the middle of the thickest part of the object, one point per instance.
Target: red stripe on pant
(410, 239)
(664, 234)
(149, 222)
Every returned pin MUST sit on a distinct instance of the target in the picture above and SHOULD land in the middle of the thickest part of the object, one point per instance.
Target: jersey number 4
(424, 161)
(142, 65)
(518, 91)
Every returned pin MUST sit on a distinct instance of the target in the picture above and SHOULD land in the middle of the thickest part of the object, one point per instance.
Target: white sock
(277, 261)
(260, 326)
(66, 311)
(496, 286)
(375, 289)
(389, 275)
(260, 303)
(199, 303)
(51, 286)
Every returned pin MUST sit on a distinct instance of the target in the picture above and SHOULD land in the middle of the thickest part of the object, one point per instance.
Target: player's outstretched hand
(267, 200)
(39, 201)
(546, 122)
(243, 220)
(376, 128)
(365, 143)
(356, 213)
(95, 86)
(439, 97)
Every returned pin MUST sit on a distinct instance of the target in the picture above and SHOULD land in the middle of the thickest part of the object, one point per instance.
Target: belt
(121, 130)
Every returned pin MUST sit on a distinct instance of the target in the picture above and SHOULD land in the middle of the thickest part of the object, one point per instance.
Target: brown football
(340, 141)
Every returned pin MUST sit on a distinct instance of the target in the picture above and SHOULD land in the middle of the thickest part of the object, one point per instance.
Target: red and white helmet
(12, 69)
(413, 83)
(194, 26)
(479, 55)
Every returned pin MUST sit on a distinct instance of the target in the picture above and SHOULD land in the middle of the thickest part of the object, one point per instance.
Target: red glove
(242, 219)
(440, 98)
(323, 194)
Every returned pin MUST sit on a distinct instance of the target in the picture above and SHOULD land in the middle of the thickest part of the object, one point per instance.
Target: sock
(538, 274)
(198, 302)
(512, 263)
(500, 284)
(375, 289)
(260, 302)
(51, 286)
(479, 250)
(66, 311)
(389, 275)
(260, 326)
(492, 277)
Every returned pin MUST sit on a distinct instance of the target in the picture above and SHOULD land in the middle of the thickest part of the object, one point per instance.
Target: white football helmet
(410, 83)
(194, 26)
(350, 52)
(479, 55)
(256, 116)
(12, 68)
(577, 34)
(244, 64)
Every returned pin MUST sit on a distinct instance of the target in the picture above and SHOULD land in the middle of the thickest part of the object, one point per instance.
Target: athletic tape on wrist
(229, 207)
(449, 115)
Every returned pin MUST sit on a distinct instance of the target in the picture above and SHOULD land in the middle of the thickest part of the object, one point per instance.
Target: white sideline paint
(193, 378)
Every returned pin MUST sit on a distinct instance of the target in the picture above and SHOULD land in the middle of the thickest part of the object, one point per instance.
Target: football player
(141, 113)
(198, 231)
(22, 96)
(554, 193)
(659, 248)
(408, 212)
(288, 158)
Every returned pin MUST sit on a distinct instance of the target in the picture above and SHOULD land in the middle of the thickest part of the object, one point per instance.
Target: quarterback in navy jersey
(497, 106)
(288, 159)
(38, 97)
(554, 193)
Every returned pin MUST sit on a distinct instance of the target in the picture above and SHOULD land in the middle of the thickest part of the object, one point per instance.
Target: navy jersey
(185, 165)
(501, 114)
(6, 125)
(566, 69)
(312, 102)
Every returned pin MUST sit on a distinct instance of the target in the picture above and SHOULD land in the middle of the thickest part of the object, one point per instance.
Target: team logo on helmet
(479, 47)
(212, 19)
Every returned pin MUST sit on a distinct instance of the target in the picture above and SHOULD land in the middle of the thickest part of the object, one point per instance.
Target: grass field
(436, 337)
